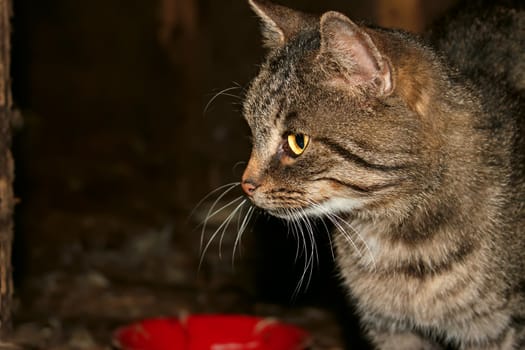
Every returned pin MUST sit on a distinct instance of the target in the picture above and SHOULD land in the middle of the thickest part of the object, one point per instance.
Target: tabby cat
(418, 153)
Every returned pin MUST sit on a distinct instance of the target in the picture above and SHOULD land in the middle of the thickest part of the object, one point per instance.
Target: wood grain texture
(6, 169)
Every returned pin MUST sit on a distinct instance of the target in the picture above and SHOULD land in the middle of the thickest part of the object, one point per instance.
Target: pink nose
(249, 186)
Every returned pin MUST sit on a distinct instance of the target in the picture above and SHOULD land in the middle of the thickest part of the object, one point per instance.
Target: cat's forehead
(279, 82)
(269, 94)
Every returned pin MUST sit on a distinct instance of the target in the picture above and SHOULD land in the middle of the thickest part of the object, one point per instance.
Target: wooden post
(179, 35)
(6, 169)
(405, 14)
(411, 15)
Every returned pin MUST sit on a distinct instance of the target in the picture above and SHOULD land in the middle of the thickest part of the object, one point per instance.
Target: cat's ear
(352, 50)
(279, 23)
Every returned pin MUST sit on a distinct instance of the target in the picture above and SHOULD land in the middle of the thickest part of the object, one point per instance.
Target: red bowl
(211, 332)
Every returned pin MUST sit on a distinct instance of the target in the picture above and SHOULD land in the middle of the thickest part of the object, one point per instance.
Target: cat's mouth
(329, 207)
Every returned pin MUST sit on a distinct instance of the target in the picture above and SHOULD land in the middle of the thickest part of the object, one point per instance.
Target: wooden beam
(6, 169)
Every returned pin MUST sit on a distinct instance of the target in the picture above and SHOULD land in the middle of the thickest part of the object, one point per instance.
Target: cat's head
(330, 132)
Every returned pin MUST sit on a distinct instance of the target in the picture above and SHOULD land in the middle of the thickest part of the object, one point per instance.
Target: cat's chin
(286, 214)
(333, 206)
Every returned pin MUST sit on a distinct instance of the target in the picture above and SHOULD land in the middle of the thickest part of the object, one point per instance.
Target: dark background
(115, 148)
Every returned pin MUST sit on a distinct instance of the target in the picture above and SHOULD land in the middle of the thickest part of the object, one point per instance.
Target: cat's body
(419, 166)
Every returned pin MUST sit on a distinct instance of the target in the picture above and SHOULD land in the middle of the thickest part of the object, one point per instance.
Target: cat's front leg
(388, 340)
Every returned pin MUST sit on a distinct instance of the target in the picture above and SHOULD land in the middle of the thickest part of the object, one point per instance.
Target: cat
(415, 153)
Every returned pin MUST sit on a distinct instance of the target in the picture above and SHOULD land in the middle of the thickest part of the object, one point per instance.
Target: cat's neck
(455, 191)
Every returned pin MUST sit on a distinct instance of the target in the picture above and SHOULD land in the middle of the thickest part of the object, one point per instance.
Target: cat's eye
(297, 143)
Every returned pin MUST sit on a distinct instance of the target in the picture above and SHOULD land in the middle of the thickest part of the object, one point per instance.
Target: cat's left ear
(351, 49)
(279, 23)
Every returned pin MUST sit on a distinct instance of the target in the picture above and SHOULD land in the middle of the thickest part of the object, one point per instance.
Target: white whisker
(210, 214)
(309, 258)
(365, 244)
(329, 235)
(222, 92)
(197, 206)
(224, 225)
(339, 223)
(241, 230)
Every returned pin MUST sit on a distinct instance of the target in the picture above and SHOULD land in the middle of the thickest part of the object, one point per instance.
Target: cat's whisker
(291, 227)
(343, 232)
(226, 224)
(308, 269)
(222, 226)
(211, 213)
(337, 220)
(312, 203)
(365, 244)
(314, 242)
(300, 239)
(299, 222)
(224, 207)
(211, 193)
(305, 253)
(241, 229)
(217, 211)
(239, 216)
(329, 235)
(237, 165)
(233, 202)
(220, 93)
(314, 256)
(297, 233)
(310, 229)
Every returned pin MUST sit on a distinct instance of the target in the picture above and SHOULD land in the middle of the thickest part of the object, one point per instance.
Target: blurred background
(130, 115)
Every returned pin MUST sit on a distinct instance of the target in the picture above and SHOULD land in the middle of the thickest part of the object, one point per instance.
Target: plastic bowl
(211, 332)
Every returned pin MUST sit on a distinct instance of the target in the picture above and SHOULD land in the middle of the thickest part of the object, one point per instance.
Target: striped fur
(417, 160)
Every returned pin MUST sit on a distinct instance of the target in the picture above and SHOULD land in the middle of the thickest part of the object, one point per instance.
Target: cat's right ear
(279, 23)
(350, 49)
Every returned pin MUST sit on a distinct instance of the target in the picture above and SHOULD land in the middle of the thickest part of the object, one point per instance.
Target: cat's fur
(419, 151)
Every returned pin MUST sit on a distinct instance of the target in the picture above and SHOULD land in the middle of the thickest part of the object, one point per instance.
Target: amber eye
(298, 143)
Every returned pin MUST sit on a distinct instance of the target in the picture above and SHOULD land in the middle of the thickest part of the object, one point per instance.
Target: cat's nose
(249, 186)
